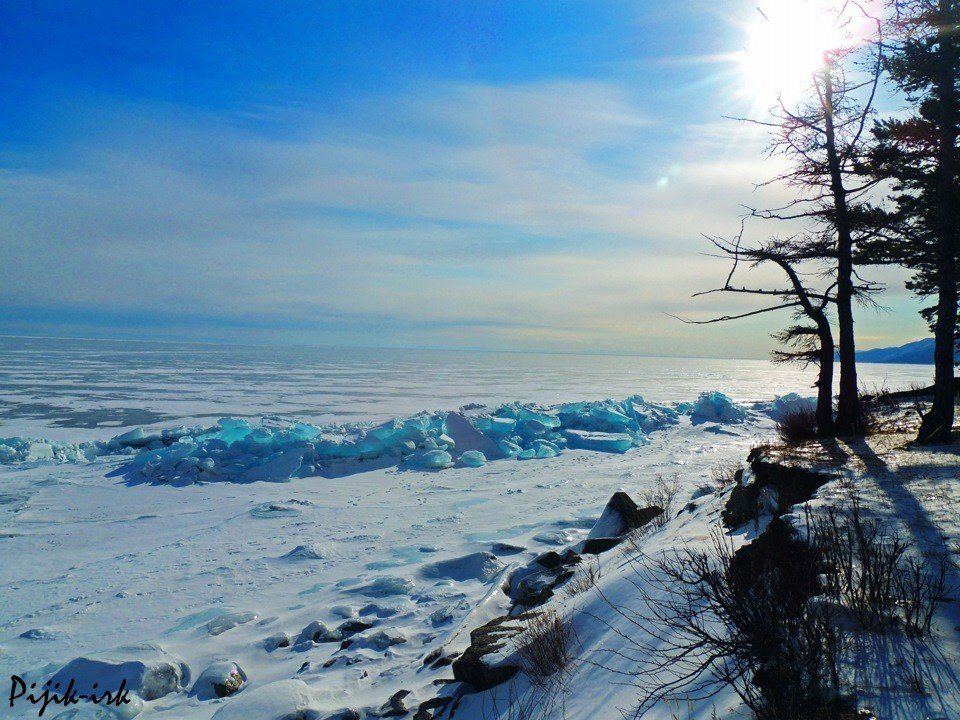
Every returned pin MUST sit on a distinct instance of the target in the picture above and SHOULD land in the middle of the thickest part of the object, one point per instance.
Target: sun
(787, 42)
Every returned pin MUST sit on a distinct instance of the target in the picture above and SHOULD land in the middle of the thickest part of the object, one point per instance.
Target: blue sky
(510, 175)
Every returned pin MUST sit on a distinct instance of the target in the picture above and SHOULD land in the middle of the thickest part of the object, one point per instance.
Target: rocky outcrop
(482, 665)
(534, 584)
(620, 516)
(772, 489)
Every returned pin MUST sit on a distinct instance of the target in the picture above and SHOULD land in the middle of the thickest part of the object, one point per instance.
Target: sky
(528, 175)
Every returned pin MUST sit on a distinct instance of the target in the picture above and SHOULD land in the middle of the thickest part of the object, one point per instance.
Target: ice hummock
(244, 451)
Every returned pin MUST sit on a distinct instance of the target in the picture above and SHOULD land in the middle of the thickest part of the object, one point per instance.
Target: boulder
(219, 679)
(480, 664)
(278, 640)
(621, 515)
(351, 627)
(595, 546)
(534, 583)
(316, 632)
(394, 707)
(380, 640)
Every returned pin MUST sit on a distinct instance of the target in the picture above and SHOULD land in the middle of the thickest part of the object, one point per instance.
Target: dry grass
(546, 653)
(797, 426)
(585, 579)
(663, 494)
(725, 475)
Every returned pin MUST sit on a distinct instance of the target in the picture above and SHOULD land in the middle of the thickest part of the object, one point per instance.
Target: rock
(279, 640)
(37, 634)
(533, 584)
(352, 627)
(281, 700)
(769, 488)
(381, 640)
(220, 679)
(621, 515)
(502, 548)
(482, 566)
(344, 714)
(475, 666)
(595, 546)
(147, 669)
(394, 707)
(425, 708)
(316, 632)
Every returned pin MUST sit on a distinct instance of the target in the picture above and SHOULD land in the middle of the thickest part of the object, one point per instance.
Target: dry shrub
(726, 475)
(663, 494)
(869, 570)
(797, 426)
(584, 579)
(718, 618)
(546, 652)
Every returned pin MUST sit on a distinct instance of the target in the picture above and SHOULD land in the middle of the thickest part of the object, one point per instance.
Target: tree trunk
(937, 424)
(825, 381)
(849, 420)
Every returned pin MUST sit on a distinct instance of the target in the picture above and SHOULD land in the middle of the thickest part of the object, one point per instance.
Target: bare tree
(810, 343)
(823, 138)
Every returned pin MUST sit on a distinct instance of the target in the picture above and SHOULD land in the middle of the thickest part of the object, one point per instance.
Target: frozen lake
(84, 389)
(92, 562)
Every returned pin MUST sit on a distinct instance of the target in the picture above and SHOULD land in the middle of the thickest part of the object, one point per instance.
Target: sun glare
(786, 42)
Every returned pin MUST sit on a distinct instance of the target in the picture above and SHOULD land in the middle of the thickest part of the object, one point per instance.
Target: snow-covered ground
(96, 561)
(325, 583)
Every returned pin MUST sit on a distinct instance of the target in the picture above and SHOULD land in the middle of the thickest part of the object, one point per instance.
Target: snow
(398, 561)
(783, 405)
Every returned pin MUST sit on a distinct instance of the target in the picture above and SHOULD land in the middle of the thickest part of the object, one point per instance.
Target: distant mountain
(917, 353)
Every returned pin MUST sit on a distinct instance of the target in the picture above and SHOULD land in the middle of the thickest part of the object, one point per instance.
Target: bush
(797, 426)
(740, 619)
(868, 569)
(546, 654)
(726, 475)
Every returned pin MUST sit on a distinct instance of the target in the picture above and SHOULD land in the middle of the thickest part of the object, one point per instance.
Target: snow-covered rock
(219, 679)
(483, 566)
(147, 670)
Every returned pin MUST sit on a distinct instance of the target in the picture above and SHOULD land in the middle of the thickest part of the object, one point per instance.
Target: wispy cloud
(538, 215)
